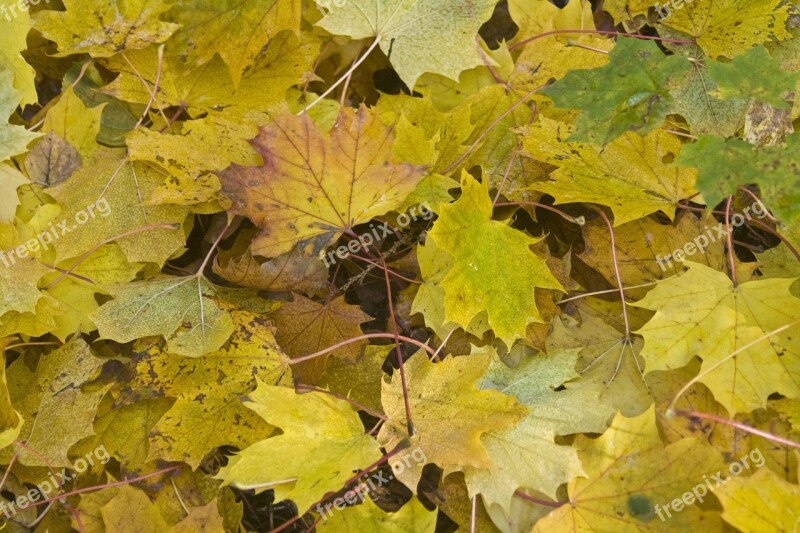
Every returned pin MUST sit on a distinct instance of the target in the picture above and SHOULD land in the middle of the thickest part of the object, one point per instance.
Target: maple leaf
(201, 520)
(753, 74)
(290, 271)
(305, 327)
(629, 175)
(434, 264)
(18, 286)
(316, 185)
(125, 185)
(437, 394)
(725, 164)
(123, 431)
(526, 456)
(625, 10)
(637, 99)
(324, 430)
(706, 113)
(105, 27)
(179, 309)
(359, 380)
(780, 262)
(405, 27)
(236, 30)
(13, 139)
(760, 503)
(210, 88)
(630, 472)
(130, 510)
(531, 71)
(426, 135)
(13, 40)
(211, 143)
(411, 517)
(608, 361)
(10, 180)
(207, 412)
(700, 312)
(53, 393)
(76, 123)
(478, 280)
(644, 249)
(716, 24)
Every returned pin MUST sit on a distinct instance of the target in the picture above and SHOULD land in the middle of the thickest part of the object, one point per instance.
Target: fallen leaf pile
(400, 265)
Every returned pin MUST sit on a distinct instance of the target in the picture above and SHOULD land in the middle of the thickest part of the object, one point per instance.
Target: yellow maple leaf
(701, 313)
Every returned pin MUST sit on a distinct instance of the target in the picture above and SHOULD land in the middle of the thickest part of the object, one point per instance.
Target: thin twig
(338, 345)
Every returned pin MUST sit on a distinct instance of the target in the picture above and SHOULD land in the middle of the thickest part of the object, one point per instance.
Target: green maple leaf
(406, 28)
(480, 278)
(104, 28)
(704, 111)
(753, 75)
(630, 93)
(725, 164)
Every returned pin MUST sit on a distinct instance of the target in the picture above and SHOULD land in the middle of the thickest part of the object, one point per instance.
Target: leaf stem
(617, 274)
(600, 32)
(738, 425)
(579, 221)
(533, 499)
(105, 486)
(731, 256)
(345, 76)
